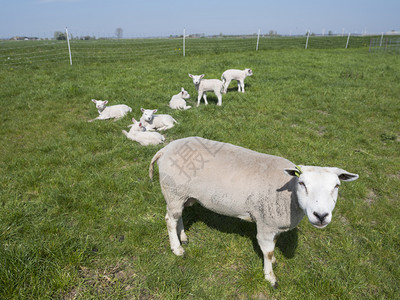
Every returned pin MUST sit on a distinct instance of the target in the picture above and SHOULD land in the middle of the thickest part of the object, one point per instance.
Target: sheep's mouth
(320, 225)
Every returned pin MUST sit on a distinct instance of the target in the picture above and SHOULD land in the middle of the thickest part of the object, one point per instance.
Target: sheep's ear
(105, 101)
(293, 171)
(201, 76)
(182, 89)
(142, 109)
(344, 175)
(154, 111)
(133, 120)
(190, 75)
(140, 124)
(94, 100)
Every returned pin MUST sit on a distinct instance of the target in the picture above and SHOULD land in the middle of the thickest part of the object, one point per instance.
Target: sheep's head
(184, 94)
(317, 191)
(100, 105)
(137, 126)
(148, 114)
(249, 72)
(196, 78)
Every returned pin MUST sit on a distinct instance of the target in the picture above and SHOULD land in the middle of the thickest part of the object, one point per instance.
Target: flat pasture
(79, 217)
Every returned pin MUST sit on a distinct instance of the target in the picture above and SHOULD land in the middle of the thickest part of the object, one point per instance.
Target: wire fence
(388, 45)
(14, 53)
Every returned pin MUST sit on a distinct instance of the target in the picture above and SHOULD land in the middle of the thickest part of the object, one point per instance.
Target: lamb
(139, 134)
(110, 112)
(237, 182)
(152, 122)
(178, 100)
(238, 75)
(207, 85)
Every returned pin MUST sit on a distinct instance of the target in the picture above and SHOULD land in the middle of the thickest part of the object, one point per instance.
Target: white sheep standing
(152, 122)
(233, 74)
(110, 112)
(178, 101)
(207, 85)
(139, 134)
(237, 182)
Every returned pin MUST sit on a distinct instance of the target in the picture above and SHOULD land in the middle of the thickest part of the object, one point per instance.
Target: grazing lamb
(207, 85)
(156, 122)
(178, 100)
(242, 183)
(238, 75)
(139, 134)
(110, 112)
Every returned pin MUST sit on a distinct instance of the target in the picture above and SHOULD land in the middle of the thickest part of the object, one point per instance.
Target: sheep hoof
(179, 251)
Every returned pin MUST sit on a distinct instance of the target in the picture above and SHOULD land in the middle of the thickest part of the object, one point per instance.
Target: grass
(79, 217)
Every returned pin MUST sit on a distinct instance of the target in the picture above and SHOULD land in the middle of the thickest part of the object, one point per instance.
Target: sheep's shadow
(234, 88)
(287, 241)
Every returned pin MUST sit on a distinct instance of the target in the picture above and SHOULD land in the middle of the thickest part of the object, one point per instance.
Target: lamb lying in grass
(178, 100)
(207, 85)
(238, 75)
(152, 122)
(139, 134)
(110, 112)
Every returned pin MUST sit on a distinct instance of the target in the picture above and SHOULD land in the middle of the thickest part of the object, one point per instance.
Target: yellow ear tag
(299, 171)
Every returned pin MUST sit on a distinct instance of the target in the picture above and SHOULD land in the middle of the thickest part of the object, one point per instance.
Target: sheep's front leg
(199, 98)
(267, 245)
(205, 98)
(240, 86)
(98, 118)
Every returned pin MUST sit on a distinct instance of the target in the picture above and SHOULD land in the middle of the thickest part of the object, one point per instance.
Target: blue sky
(150, 18)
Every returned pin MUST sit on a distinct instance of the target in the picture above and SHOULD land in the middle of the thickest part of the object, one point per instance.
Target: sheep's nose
(321, 217)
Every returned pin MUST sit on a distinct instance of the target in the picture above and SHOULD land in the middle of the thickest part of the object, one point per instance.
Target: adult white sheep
(152, 122)
(139, 134)
(233, 74)
(178, 101)
(110, 112)
(207, 85)
(252, 186)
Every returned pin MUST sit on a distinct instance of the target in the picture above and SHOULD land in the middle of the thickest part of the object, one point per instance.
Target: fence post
(258, 39)
(381, 40)
(69, 48)
(348, 38)
(308, 35)
(184, 36)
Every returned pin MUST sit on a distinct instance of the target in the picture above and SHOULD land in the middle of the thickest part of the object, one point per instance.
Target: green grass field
(79, 217)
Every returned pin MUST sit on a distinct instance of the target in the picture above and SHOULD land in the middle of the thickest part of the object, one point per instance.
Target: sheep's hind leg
(219, 96)
(181, 232)
(172, 223)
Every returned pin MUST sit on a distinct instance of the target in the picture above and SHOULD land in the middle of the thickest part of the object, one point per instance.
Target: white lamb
(152, 122)
(207, 85)
(139, 134)
(110, 112)
(178, 100)
(238, 75)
